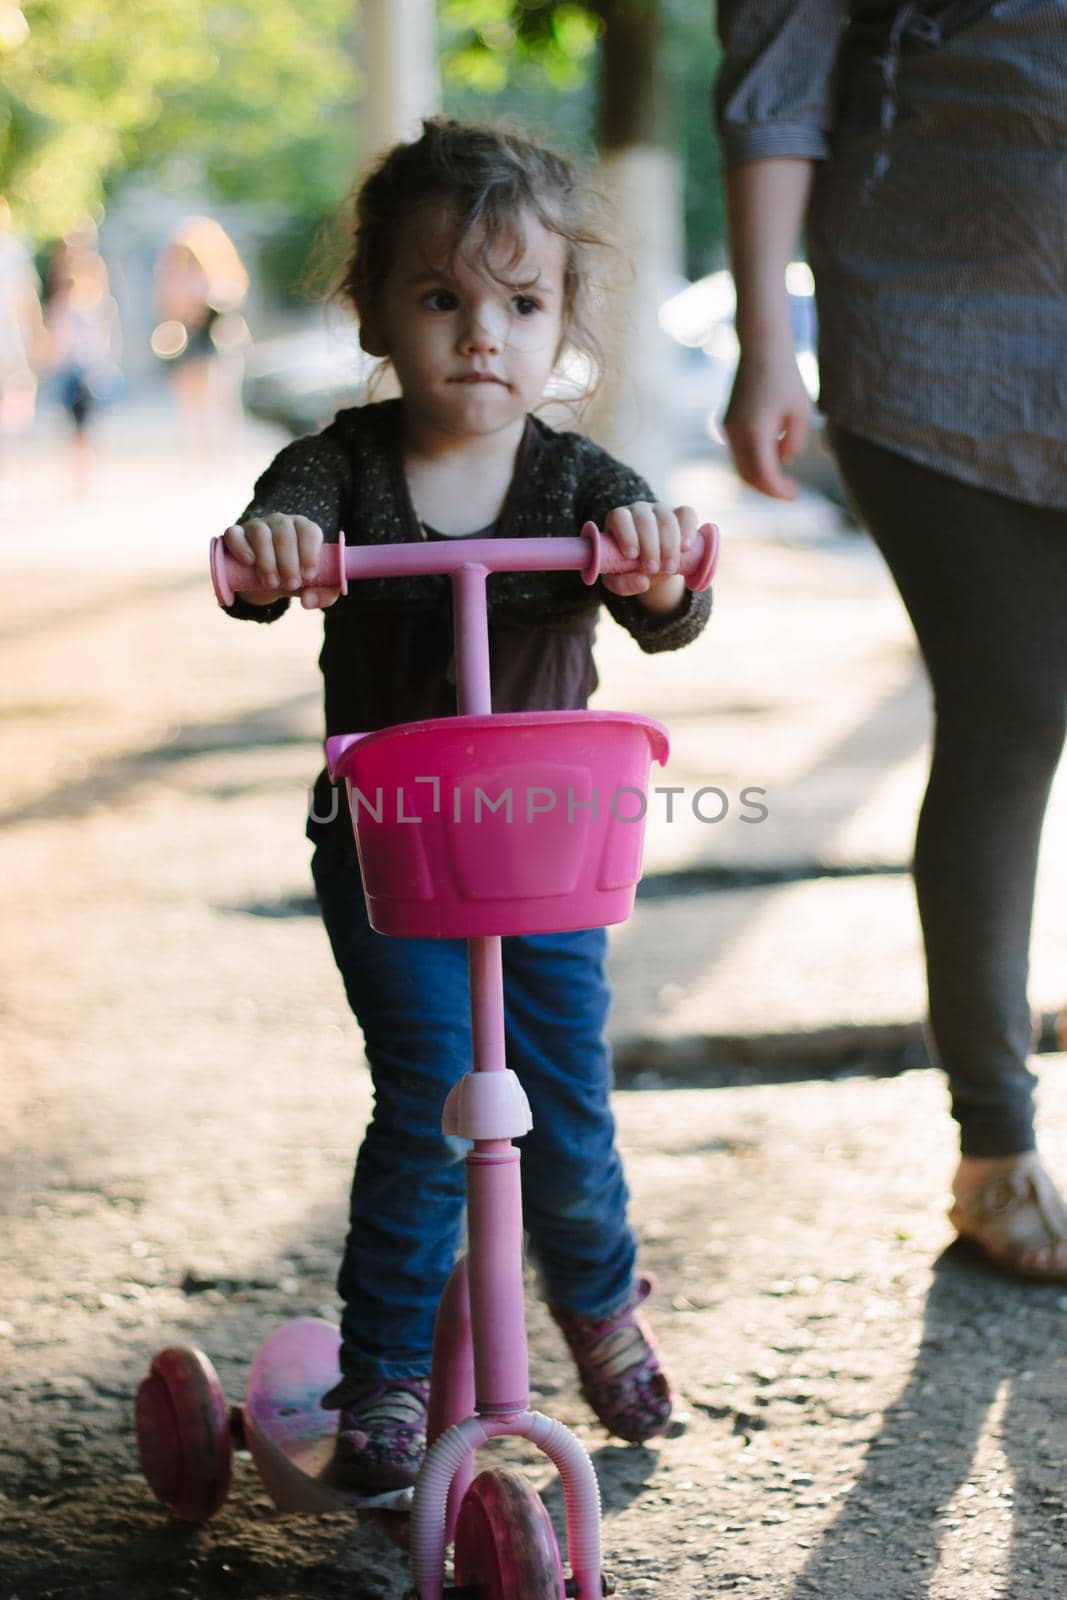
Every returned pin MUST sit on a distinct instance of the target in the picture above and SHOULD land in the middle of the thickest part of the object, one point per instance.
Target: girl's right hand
(285, 554)
(768, 418)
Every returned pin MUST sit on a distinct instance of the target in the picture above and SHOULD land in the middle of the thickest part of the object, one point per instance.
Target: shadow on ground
(918, 1488)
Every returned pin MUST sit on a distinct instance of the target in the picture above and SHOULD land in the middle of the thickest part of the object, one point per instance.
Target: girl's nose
(482, 332)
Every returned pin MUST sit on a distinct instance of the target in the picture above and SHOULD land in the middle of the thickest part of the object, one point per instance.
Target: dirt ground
(861, 1413)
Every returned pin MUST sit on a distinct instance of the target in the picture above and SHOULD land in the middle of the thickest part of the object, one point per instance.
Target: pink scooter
(468, 827)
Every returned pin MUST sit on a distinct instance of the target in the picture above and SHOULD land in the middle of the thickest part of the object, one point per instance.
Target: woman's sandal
(1010, 1217)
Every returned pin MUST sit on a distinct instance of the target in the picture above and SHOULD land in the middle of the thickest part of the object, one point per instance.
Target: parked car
(301, 379)
(700, 319)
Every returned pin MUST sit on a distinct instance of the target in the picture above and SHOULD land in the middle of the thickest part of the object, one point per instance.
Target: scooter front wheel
(505, 1543)
(183, 1433)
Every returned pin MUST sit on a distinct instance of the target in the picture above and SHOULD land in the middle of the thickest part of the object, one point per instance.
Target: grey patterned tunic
(938, 225)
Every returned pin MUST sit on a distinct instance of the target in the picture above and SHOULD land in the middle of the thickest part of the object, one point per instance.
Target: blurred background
(174, 179)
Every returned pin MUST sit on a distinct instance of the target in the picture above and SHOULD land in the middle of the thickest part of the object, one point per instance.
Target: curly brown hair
(487, 175)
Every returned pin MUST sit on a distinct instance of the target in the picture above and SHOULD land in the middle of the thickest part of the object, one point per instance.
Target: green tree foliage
(535, 64)
(491, 45)
(78, 80)
(539, 61)
(256, 101)
(254, 97)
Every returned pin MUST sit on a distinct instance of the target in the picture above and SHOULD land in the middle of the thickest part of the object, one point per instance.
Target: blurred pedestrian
(83, 341)
(201, 284)
(21, 329)
(926, 148)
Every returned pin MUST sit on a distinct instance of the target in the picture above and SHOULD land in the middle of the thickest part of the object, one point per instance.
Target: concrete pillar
(398, 54)
(641, 173)
(633, 415)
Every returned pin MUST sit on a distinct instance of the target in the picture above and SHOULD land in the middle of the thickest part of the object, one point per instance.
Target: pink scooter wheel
(505, 1543)
(183, 1434)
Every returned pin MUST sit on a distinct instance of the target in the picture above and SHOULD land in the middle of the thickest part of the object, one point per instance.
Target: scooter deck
(290, 1436)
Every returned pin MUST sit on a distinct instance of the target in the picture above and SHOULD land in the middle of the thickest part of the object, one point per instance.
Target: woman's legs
(984, 579)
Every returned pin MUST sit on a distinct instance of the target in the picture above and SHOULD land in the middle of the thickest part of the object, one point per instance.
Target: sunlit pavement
(860, 1415)
(803, 700)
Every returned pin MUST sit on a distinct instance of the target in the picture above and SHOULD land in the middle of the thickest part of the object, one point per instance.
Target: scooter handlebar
(591, 554)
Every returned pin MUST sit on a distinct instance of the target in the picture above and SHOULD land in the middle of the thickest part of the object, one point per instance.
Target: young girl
(469, 273)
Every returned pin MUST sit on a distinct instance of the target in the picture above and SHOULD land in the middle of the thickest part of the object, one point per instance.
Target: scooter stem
(471, 631)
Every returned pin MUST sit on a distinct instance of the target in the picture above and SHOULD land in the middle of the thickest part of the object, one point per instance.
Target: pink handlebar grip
(696, 566)
(592, 555)
(230, 576)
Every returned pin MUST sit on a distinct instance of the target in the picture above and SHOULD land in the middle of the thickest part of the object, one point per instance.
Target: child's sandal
(619, 1368)
(381, 1432)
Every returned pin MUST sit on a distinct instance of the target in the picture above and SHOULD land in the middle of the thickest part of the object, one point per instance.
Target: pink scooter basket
(522, 822)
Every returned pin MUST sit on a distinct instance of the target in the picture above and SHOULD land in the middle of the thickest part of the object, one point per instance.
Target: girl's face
(473, 341)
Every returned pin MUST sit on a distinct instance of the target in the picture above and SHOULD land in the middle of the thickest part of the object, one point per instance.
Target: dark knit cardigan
(387, 650)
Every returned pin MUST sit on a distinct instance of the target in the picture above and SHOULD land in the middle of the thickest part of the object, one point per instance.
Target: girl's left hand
(654, 533)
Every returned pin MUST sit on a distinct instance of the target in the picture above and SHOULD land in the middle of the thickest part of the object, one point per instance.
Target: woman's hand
(285, 554)
(656, 535)
(768, 418)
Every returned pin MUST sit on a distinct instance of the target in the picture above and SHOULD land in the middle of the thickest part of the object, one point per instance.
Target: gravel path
(861, 1414)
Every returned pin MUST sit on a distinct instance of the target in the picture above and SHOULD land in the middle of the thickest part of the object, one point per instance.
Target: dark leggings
(984, 579)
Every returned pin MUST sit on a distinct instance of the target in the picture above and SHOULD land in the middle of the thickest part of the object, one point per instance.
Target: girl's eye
(440, 300)
(525, 306)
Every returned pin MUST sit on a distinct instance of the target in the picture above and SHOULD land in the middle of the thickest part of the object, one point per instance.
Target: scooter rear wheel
(505, 1543)
(183, 1434)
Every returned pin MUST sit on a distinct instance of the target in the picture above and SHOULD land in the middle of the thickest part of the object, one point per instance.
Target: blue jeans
(411, 999)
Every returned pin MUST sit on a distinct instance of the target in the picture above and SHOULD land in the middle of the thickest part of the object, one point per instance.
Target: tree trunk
(632, 94)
